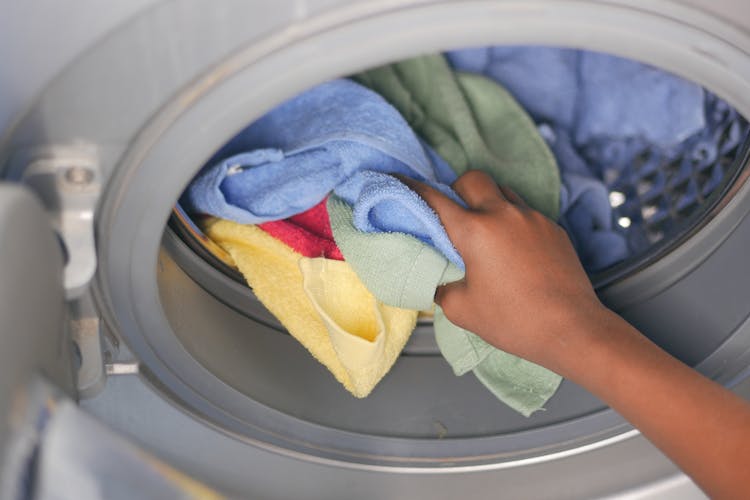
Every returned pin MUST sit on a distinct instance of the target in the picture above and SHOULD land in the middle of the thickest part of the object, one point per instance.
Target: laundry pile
(345, 255)
(617, 126)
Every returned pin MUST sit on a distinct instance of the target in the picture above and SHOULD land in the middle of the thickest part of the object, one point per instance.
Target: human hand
(525, 291)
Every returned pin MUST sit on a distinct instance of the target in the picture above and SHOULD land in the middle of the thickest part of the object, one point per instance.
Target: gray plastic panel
(33, 337)
(38, 38)
(629, 469)
(696, 314)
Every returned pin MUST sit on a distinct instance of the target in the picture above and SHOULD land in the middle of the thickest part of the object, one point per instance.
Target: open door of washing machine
(36, 357)
(49, 447)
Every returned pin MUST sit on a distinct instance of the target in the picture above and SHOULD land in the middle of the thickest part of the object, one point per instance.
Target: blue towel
(338, 136)
(543, 80)
(624, 98)
(585, 210)
(661, 181)
(592, 95)
(587, 216)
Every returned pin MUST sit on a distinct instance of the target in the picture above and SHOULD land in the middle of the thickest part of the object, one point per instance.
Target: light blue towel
(624, 98)
(338, 136)
(592, 95)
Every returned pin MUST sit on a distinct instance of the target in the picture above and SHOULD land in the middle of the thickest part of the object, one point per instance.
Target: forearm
(523, 274)
(702, 427)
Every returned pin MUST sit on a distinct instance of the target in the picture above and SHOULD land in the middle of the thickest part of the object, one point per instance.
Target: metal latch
(69, 185)
(68, 182)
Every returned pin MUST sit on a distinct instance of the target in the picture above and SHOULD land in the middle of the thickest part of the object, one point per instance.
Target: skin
(523, 273)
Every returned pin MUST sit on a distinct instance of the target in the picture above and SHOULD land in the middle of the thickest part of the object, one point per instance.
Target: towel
(303, 155)
(649, 183)
(337, 136)
(308, 233)
(613, 115)
(401, 271)
(585, 207)
(321, 303)
(522, 385)
(587, 217)
(660, 182)
(472, 123)
(397, 268)
(592, 95)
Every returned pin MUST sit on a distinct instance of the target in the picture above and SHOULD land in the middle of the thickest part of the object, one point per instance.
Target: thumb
(451, 298)
(451, 214)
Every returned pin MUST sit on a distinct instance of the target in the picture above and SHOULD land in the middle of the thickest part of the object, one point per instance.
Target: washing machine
(108, 110)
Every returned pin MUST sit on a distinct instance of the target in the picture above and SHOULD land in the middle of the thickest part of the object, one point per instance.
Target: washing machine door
(36, 356)
(49, 448)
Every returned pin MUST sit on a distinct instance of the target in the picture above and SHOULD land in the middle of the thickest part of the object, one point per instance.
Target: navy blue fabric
(338, 136)
(586, 213)
(678, 177)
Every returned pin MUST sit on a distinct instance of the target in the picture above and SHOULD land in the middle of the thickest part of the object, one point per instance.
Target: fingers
(451, 213)
(478, 190)
(512, 196)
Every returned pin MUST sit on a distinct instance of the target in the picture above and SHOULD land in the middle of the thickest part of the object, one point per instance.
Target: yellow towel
(321, 303)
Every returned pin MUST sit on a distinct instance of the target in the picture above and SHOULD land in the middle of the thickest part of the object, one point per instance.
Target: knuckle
(472, 178)
(514, 214)
(478, 225)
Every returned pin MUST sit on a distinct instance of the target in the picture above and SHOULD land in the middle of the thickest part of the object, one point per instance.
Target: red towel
(308, 233)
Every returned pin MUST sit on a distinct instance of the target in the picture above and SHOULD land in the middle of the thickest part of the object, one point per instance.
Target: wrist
(588, 338)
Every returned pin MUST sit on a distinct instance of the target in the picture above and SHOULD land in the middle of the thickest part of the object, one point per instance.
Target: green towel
(397, 268)
(473, 123)
(521, 384)
(401, 271)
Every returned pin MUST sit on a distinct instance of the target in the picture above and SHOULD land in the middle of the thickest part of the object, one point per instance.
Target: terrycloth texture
(592, 95)
(471, 122)
(396, 267)
(367, 335)
(403, 272)
(358, 343)
(337, 136)
(308, 233)
(522, 385)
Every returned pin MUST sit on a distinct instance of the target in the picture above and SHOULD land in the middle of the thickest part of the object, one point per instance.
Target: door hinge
(68, 181)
